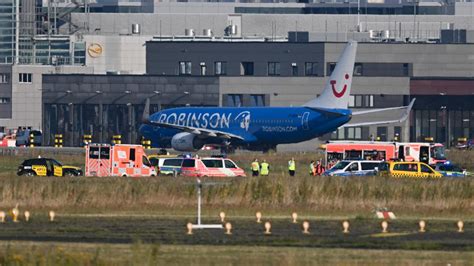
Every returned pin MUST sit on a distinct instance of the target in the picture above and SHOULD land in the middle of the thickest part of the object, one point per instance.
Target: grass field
(28, 253)
(276, 194)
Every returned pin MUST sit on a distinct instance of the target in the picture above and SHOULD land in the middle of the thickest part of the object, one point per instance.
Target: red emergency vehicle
(430, 153)
(117, 160)
(210, 167)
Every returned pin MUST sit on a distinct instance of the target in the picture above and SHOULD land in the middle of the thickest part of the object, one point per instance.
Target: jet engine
(186, 142)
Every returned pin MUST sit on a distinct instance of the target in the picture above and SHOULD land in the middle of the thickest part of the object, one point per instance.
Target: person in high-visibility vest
(255, 166)
(292, 167)
(264, 168)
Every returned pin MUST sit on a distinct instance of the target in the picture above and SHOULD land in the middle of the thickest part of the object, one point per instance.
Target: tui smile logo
(334, 90)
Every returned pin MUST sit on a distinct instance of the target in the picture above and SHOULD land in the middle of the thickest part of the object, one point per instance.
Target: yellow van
(407, 169)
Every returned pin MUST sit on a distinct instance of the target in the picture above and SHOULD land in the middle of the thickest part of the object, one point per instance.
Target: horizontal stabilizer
(403, 117)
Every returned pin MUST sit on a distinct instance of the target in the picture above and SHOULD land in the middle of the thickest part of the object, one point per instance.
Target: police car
(353, 168)
(450, 170)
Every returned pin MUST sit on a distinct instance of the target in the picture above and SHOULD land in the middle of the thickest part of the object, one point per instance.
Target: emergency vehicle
(210, 167)
(353, 168)
(430, 153)
(117, 160)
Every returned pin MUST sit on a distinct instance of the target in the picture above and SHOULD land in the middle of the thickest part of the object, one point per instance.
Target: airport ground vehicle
(8, 141)
(353, 168)
(26, 137)
(210, 167)
(427, 152)
(47, 167)
(450, 170)
(157, 159)
(407, 169)
(465, 144)
(117, 160)
(168, 166)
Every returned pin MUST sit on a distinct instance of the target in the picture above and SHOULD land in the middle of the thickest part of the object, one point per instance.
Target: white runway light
(52, 214)
(294, 216)
(258, 215)
(460, 226)
(305, 227)
(384, 225)
(422, 225)
(345, 226)
(228, 228)
(268, 227)
(189, 226)
(222, 216)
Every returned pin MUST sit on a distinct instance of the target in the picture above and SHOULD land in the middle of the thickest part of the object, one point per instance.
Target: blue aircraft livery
(256, 128)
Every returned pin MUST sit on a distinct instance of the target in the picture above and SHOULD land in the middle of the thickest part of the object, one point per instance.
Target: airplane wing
(203, 132)
(401, 119)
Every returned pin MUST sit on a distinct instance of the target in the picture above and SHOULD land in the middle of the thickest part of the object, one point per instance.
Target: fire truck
(427, 152)
(117, 160)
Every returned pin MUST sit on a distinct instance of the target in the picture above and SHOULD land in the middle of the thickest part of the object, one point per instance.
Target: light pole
(125, 93)
(185, 93)
(156, 93)
(358, 15)
(97, 93)
(414, 18)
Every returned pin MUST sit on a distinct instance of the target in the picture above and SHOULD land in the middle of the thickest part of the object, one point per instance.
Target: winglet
(146, 112)
(408, 110)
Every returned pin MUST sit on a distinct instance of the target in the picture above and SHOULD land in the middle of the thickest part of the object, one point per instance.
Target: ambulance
(117, 160)
(427, 152)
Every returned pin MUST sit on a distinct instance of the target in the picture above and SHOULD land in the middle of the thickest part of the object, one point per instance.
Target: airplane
(261, 128)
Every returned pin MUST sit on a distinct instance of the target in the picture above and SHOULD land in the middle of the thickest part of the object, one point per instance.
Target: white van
(353, 168)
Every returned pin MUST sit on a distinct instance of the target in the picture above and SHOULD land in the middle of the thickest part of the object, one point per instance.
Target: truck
(427, 152)
(117, 160)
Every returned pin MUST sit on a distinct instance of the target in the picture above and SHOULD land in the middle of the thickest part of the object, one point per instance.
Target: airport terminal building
(96, 78)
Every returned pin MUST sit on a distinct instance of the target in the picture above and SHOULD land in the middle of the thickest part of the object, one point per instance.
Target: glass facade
(7, 31)
(54, 51)
(101, 121)
(443, 125)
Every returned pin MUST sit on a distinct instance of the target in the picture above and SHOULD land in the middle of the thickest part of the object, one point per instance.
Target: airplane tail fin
(338, 87)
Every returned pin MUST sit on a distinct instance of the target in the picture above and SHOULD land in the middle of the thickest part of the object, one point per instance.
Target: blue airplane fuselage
(267, 126)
